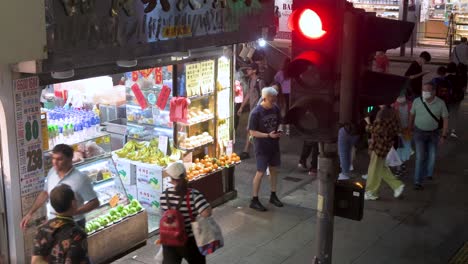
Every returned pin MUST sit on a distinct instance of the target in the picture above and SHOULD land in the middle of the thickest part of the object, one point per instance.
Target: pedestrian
(264, 123)
(460, 53)
(381, 62)
(309, 148)
(348, 137)
(171, 197)
(63, 172)
(415, 74)
(403, 109)
(282, 77)
(255, 86)
(457, 95)
(61, 240)
(239, 84)
(442, 86)
(427, 114)
(383, 131)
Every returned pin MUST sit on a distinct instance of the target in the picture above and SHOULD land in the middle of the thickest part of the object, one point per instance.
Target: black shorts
(266, 160)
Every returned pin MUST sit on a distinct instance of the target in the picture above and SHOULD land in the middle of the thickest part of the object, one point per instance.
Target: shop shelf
(198, 122)
(191, 149)
(198, 97)
(92, 138)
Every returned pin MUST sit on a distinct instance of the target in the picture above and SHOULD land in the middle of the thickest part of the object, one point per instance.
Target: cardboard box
(149, 199)
(126, 170)
(149, 177)
(132, 192)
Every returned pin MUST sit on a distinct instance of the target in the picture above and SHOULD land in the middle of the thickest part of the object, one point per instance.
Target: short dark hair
(441, 70)
(61, 198)
(430, 84)
(426, 56)
(452, 67)
(64, 149)
(463, 39)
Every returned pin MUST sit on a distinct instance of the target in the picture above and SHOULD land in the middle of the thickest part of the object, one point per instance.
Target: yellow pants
(377, 172)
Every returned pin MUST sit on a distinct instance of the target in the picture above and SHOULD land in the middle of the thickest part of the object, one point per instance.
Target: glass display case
(383, 8)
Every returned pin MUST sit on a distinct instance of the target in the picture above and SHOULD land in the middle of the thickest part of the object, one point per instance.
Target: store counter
(436, 28)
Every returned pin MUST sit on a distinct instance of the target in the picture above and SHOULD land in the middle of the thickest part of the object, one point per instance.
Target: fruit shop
(130, 97)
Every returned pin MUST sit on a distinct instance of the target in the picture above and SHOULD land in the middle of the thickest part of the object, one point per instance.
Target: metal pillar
(404, 17)
(328, 169)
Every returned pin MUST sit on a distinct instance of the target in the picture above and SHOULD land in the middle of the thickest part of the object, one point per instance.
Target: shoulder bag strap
(189, 206)
(456, 55)
(430, 112)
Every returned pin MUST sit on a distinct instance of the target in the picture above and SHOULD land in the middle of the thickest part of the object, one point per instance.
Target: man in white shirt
(63, 172)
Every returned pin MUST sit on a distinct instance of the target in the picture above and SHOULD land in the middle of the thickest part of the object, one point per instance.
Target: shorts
(266, 160)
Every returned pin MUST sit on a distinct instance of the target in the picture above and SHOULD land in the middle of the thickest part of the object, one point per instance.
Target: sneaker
(244, 156)
(313, 173)
(365, 176)
(302, 165)
(453, 134)
(368, 196)
(398, 191)
(418, 187)
(343, 177)
(256, 205)
(275, 201)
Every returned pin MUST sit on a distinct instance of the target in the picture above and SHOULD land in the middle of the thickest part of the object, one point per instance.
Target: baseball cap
(176, 170)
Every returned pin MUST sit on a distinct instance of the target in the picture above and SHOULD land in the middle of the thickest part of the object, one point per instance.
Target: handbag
(206, 231)
(440, 122)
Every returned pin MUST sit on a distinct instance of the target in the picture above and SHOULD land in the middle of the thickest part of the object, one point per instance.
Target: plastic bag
(159, 257)
(393, 160)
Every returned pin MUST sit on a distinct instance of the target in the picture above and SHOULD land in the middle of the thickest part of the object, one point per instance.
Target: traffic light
(327, 60)
(317, 28)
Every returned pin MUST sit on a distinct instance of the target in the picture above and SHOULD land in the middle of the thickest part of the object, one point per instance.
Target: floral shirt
(61, 240)
(383, 133)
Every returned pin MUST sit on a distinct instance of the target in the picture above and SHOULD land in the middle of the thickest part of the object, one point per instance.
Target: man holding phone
(263, 126)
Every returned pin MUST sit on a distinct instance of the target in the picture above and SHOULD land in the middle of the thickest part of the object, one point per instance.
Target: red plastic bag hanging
(139, 96)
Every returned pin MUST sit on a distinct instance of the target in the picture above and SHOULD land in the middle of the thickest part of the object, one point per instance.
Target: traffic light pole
(328, 169)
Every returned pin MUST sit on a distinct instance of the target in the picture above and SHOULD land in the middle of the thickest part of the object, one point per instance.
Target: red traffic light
(307, 22)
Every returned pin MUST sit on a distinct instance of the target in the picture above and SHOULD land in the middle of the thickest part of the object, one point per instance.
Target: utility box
(23, 31)
(349, 199)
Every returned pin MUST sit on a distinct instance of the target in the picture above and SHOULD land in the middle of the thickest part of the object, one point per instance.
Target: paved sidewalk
(425, 227)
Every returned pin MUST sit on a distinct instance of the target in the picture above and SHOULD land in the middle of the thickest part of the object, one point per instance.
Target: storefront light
(127, 63)
(262, 42)
(63, 74)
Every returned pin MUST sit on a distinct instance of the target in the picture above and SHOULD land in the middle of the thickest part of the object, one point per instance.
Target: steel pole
(404, 17)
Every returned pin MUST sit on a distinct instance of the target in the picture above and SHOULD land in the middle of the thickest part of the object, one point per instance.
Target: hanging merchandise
(139, 96)
(179, 109)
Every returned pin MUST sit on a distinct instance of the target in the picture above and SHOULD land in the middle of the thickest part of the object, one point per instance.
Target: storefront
(134, 88)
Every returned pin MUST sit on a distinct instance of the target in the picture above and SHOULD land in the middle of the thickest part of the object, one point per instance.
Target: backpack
(172, 226)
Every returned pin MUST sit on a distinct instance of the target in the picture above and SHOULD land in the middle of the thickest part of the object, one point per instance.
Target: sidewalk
(423, 227)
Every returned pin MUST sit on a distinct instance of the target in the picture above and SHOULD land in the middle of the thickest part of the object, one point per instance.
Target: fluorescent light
(127, 63)
(63, 74)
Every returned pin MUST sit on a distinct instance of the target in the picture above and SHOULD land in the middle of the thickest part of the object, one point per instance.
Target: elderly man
(427, 113)
(264, 122)
(63, 172)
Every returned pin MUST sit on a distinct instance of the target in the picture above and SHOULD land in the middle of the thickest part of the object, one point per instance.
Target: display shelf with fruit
(148, 152)
(209, 165)
(193, 142)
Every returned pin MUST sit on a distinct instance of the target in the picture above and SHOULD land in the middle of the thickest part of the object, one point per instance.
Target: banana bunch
(148, 152)
(175, 154)
(130, 148)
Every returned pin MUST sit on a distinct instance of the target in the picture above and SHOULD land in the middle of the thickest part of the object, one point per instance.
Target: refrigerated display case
(383, 8)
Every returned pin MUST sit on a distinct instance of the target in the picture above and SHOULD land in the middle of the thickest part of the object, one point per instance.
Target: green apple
(120, 208)
(112, 212)
(134, 203)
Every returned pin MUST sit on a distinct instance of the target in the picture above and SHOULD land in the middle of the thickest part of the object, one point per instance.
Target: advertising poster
(192, 77)
(207, 76)
(283, 9)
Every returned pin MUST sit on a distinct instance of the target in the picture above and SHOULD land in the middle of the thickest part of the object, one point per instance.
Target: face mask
(401, 100)
(426, 95)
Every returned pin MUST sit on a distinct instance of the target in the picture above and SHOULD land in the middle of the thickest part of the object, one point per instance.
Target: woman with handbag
(190, 203)
(382, 130)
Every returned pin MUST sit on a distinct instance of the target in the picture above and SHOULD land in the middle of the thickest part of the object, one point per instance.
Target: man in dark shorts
(263, 126)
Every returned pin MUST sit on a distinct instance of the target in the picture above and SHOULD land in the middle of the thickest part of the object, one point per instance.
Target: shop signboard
(110, 30)
(29, 144)
(283, 9)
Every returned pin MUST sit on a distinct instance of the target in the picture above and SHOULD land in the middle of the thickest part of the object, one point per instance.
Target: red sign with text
(163, 97)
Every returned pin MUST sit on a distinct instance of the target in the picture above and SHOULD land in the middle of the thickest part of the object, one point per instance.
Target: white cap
(269, 91)
(176, 170)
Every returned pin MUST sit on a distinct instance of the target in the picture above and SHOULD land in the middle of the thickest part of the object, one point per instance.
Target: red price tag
(158, 77)
(163, 97)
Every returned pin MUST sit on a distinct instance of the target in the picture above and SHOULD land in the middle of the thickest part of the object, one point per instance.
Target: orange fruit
(215, 166)
(197, 160)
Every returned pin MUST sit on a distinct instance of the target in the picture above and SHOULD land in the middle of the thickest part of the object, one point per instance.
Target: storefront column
(10, 166)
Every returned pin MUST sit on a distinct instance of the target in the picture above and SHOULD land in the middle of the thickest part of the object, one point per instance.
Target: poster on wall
(192, 79)
(283, 9)
(207, 76)
(224, 73)
(29, 144)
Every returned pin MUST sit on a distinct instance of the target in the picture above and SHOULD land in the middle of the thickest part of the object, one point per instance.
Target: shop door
(3, 230)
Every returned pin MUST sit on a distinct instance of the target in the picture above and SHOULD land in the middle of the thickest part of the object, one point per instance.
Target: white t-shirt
(79, 183)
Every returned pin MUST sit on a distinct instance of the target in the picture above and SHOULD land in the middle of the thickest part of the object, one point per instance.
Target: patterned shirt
(383, 133)
(61, 241)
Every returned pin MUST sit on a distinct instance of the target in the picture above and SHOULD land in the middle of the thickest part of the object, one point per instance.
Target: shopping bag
(207, 234)
(159, 257)
(393, 160)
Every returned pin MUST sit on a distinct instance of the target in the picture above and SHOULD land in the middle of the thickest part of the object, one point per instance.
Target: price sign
(163, 97)
(192, 79)
(163, 140)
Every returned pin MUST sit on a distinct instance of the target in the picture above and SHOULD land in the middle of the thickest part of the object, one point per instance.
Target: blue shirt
(265, 121)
